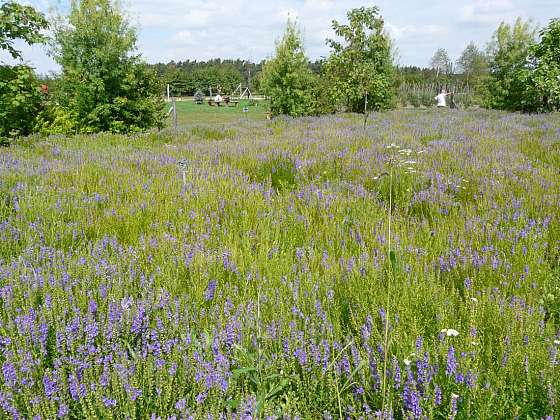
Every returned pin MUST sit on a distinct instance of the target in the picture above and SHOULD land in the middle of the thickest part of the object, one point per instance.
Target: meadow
(294, 268)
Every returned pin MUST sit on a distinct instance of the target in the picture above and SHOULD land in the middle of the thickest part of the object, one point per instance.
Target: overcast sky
(197, 29)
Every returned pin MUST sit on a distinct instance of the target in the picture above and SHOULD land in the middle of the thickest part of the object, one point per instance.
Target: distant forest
(186, 77)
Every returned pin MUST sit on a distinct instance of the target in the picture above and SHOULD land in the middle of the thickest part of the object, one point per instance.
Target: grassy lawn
(188, 113)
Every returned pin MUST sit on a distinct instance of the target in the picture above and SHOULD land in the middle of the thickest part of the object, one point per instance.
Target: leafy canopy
(103, 83)
(508, 51)
(287, 78)
(20, 22)
(20, 97)
(441, 62)
(360, 63)
(20, 101)
(472, 61)
(544, 89)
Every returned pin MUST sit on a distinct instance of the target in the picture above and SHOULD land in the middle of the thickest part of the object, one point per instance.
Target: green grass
(251, 281)
(189, 113)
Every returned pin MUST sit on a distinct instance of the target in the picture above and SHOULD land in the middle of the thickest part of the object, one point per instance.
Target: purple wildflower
(397, 373)
(10, 375)
(454, 398)
(200, 398)
(49, 385)
(62, 411)
(181, 405)
(210, 290)
(451, 362)
(437, 395)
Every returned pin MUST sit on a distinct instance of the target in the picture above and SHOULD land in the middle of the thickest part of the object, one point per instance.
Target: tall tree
(508, 51)
(441, 61)
(544, 87)
(103, 82)
(360, 68)
(20, 96)
(472, 62)
(287, 78)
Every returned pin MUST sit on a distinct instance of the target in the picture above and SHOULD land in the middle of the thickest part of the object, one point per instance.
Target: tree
(509, 72)
(20, 22)
(360, 68)
(441, 61)
(20, 96)
(472, 63)
(287, 78)
(103, 83)
(543, 91)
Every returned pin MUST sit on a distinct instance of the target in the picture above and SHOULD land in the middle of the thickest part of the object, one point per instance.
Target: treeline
(517, 70)
(187, 77)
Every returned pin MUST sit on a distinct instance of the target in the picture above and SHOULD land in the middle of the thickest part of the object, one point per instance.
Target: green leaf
(394, 262)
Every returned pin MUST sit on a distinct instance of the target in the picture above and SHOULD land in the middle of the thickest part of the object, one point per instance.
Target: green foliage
(287, 79)
(20, 97)
(20, 22)
(55, 120)
(441, 62)
(544, 86)
(184, 83)
(473, 64)
(360, 64)
(509, 74)
(103, 83)
(20, 101)
(187, 76)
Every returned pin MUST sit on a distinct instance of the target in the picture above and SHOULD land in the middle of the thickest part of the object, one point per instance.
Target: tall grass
(423, 94)
(246, 275)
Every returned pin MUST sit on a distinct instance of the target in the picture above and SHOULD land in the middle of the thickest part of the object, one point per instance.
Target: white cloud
(413, 32)
(488, 11)
(202, 29)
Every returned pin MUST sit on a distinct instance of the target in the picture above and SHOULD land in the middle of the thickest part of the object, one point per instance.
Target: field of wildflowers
(249, 271)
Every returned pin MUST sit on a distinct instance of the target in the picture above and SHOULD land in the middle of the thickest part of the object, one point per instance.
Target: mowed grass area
(189, 113)
(243, 271)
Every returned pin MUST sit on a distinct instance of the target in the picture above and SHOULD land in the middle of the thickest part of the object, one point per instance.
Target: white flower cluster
(450, 332)
(403, 158)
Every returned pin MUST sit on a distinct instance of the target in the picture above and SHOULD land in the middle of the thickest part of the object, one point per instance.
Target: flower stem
(388, 299)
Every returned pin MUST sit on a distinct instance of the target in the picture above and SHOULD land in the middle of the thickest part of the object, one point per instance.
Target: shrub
(55, 120)
(20, 101)
(103, 83)
(287, 78)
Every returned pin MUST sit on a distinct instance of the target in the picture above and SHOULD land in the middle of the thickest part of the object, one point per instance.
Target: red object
(45, 89)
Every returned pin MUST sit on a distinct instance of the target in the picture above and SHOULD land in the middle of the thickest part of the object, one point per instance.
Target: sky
(203, 29)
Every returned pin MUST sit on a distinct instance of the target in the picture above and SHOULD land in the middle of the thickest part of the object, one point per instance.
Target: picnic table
(212, 102)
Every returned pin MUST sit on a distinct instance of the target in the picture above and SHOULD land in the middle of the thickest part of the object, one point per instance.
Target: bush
(543, 87)
(55, 120)
(103, 83)
(20, 101)
(508, 50)
(287, 78)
